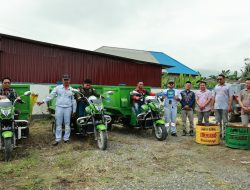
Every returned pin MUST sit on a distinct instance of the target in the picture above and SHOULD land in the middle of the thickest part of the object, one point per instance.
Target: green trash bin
(238, 137)
(23, 108)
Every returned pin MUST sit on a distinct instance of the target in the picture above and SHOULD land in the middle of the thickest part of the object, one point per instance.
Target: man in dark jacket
(10, 93)
(187, 108)
(6, 91)
(87, 91)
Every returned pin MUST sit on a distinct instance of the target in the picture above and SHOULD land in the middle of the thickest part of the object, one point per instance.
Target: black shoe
(67, 141)
(174, 134)
(191, 133)
(184, 133)
(55, 143)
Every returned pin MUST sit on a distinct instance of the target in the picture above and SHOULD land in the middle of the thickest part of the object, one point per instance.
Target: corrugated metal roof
(178, 68)
(139, 55)
(174, 66)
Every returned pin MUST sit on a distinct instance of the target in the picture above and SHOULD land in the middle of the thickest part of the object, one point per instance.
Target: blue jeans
(136, 108)
(63, 114)
(221, 117)
(170, 118)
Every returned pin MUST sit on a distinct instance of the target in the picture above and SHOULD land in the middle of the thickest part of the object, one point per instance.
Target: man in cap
(86, 91)
(172, 97)
(65, 105)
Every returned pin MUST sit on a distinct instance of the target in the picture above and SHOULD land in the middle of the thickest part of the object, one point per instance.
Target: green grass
(32, 183)
(17, 168)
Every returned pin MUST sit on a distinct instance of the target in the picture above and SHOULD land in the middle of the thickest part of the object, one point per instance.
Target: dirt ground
(134, 160)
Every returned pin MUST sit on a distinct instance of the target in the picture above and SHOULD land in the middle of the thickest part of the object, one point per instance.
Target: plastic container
(23, 108)
(238, 137)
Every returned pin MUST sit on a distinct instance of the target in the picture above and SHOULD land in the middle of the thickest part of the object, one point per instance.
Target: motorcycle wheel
(102, 140)
(160, 132)
(7, 149)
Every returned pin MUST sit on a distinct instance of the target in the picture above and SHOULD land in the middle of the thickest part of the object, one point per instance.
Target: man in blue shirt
(65, 105)
(187, 108)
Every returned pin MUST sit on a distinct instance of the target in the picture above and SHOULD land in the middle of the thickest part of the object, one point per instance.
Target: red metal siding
(25, 61)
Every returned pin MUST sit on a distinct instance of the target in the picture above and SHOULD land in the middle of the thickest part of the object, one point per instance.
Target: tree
(245, 72)
(213, 77)
(226, 73)
(234, 76)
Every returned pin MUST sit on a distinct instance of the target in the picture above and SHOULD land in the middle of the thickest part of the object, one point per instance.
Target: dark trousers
(81, 109)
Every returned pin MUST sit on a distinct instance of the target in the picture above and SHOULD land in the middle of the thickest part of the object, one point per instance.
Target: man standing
(172, 97)
(244, 101)
(187, 109)
(222, 102)
(203, 101)
(86, 91)
(65, 104)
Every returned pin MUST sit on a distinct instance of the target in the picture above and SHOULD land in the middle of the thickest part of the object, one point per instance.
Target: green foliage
(181, 80)
(245, 71)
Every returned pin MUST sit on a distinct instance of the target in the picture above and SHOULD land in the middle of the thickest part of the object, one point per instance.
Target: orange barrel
(209, 135)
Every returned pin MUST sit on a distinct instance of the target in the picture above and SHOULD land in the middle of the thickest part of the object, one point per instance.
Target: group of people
(205, 101)
(68, 105)
(220, 101)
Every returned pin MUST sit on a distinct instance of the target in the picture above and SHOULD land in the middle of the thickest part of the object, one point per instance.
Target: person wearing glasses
(222, 102)
(6, 91)
(172, 97)
(87, 91)
(65, 107)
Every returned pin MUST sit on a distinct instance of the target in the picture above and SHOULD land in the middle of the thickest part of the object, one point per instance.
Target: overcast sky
(203, 34)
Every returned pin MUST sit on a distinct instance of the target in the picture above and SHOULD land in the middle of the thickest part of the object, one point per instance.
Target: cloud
(201, 34)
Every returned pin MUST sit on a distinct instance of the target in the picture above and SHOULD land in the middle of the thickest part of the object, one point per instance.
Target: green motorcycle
(11, 129)
(96, 121)
(150, 116)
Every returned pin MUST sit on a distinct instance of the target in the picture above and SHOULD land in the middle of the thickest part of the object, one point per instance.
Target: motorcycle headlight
(6, 112)
(98, 107)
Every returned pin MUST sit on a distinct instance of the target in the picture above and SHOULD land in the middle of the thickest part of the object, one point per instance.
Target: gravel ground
(134, 160)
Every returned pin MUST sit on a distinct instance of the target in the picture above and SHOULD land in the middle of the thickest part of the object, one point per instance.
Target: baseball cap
(170, 82)
(66, 77)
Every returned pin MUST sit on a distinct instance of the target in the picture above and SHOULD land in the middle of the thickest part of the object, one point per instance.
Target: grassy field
(134, 160)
